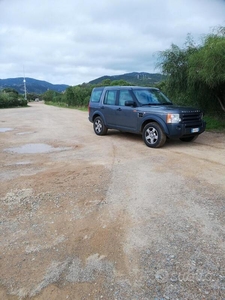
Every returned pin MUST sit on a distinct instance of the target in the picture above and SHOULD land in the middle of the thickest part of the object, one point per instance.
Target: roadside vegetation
(194, 73)
(77, 96)
(215, 123)
(195, 76)
(11, 98)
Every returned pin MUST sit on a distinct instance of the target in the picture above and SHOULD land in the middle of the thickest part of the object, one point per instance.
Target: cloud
(76, 41)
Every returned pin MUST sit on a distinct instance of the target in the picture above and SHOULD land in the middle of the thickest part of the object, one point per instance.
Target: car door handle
(102, 107)
(119, 109)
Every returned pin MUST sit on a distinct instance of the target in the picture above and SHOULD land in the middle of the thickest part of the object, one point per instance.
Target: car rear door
(109, 107)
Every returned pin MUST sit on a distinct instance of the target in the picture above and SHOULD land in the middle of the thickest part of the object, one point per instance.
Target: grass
(64, 105)
(215, 122)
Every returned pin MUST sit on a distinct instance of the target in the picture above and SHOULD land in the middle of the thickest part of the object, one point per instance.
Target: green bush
(8, 99)
(215, 122)
(77, 96)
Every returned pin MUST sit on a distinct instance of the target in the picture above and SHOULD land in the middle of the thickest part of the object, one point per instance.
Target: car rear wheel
(153, 135)
(99, 126)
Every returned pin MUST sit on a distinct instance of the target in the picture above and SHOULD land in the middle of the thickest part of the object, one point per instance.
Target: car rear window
(96, 95)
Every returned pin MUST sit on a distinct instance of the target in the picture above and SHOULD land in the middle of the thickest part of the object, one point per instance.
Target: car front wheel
(153, 135)
(99, 126)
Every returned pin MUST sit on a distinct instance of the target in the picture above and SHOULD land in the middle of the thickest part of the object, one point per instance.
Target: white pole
(24, 84)
(25, 89)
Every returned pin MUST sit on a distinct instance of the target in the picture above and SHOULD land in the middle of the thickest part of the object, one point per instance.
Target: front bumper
(184, 130)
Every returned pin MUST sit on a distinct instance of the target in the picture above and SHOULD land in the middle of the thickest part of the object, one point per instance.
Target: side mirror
(130, 103)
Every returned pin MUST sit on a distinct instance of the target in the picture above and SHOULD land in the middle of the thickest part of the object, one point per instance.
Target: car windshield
(151, 97)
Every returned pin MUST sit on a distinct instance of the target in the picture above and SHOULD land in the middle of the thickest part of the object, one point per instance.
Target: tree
(69, 96)
(196, 73)
(48, 95)
(120, 82)
(32, 96)
(207, 66)
(106, 82)
(174, 64)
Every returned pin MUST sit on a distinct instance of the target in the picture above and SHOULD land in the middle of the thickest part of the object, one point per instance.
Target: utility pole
(24, 84)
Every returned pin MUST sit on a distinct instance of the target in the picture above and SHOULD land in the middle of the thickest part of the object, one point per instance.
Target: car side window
(96, 95)
(110, 98)
(124, 96)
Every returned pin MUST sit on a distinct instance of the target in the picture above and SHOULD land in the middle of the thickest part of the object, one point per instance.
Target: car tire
(153, 136)
(99, 126)
(189, 138)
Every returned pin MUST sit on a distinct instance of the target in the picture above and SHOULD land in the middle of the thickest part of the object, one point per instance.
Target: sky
(75, 41)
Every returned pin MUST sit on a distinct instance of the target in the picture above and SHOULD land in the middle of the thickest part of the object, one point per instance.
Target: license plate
(193, 130)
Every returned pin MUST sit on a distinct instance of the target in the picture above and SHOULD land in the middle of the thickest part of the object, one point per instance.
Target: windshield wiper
(147, 104)
(164, 103)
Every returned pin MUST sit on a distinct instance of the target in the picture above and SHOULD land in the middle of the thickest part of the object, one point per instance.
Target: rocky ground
(88, 217)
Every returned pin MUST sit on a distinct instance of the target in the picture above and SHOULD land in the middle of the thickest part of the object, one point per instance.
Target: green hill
(135, 78)
(32, 85)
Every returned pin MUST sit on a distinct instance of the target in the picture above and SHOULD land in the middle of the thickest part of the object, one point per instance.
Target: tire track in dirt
(108, 218)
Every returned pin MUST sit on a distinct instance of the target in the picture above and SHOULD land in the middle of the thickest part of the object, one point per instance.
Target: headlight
(173, 118)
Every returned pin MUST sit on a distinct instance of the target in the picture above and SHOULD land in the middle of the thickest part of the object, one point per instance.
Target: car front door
(126, 116)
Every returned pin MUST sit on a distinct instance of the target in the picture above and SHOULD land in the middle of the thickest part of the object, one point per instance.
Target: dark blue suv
(143, 110)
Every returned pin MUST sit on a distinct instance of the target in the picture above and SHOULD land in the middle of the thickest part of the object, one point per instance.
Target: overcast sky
(75, 41)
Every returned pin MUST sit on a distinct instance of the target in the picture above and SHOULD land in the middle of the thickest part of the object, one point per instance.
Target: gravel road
(89, 217)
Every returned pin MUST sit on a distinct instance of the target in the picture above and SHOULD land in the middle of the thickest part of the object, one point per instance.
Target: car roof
(131, 87)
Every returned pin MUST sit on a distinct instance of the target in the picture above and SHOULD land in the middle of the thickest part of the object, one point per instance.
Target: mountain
(32, 85)
(136, 78)
(39, 87)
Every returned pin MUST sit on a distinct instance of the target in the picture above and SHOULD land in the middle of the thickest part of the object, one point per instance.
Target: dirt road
(88, 217)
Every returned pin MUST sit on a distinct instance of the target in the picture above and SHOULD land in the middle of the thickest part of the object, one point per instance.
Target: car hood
(168, 108)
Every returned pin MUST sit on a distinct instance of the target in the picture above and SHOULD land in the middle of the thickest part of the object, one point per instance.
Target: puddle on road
(19, 163)
(5, 129)
(26, 132)
(35, 148)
